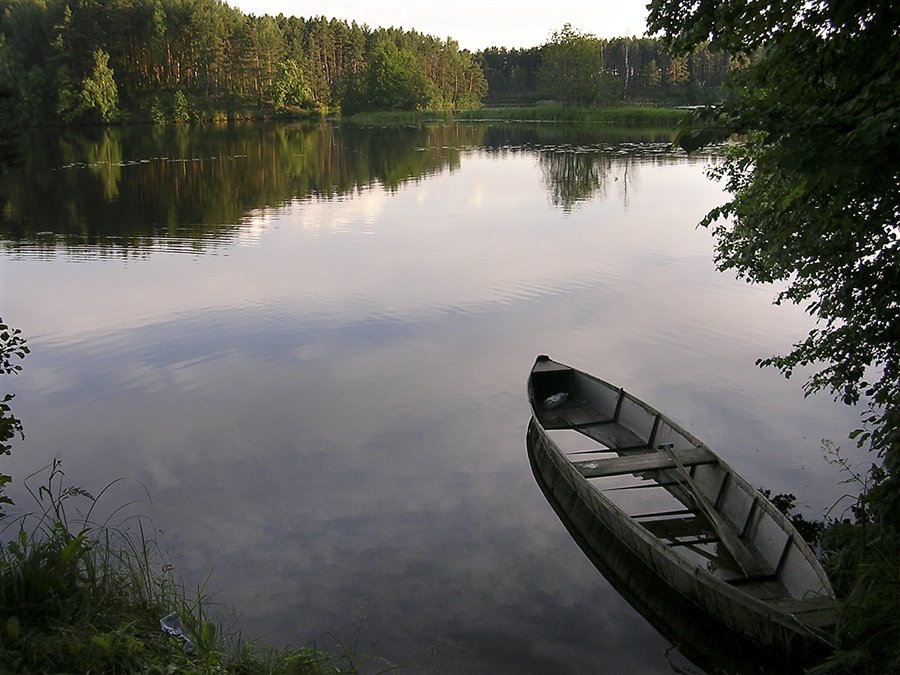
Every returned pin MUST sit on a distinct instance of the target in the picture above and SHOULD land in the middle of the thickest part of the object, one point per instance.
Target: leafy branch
(12, 347)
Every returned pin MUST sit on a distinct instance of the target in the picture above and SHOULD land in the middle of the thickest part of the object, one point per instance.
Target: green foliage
(862, 559)
(865, 570)
(103, 61)
(8, 130)
(814, 201)
(12, 348)
(290, 88)
(99, 93)
(814, 207)
(181, 110)
(633, 69)
(157, 113)
(396, 81)
(69, 602)
(652, 74)
(571, 69)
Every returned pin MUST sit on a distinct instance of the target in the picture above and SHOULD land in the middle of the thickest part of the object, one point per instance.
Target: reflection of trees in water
(104, 158)
(583, 162)
(573, 176)
(129, 187)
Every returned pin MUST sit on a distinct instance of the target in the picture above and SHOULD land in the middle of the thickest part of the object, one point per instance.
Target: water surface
(309, 347)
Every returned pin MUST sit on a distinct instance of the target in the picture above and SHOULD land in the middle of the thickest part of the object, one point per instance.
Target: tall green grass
(865, 571)
(84, 597)
(864, 568)
(633, 116)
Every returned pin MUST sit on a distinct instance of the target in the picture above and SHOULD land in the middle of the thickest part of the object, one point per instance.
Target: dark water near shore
(309, 347)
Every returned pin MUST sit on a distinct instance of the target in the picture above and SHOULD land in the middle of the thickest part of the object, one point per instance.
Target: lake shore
(633, 116)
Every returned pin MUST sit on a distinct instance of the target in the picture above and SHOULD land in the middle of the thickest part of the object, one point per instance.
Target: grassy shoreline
(79, 596)
(632, 116)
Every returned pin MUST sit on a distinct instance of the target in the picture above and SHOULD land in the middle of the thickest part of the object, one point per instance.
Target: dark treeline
(81, 61)
(177, 60)
(625, 69)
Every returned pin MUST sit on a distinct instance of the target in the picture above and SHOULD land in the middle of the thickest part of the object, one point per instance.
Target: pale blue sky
(474, 24)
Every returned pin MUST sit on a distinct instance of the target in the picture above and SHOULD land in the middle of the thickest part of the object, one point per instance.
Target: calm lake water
(305, 351)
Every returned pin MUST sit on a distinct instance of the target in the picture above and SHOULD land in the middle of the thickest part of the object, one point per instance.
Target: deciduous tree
(571, 70)
(99, 93)
(396, 81)
(814, 204)
(290, 88)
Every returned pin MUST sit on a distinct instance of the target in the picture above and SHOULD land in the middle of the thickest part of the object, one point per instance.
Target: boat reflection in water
(713, 566)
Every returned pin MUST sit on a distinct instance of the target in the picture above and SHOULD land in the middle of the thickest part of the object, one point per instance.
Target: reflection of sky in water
(331, 412)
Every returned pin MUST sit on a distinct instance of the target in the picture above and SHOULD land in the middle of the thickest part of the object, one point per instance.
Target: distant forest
(635, 70)
(68, 61)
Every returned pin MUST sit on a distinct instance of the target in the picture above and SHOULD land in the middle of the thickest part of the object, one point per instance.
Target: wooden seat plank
(640, 462)
(572, 416)
(679, 528)
(613, 435)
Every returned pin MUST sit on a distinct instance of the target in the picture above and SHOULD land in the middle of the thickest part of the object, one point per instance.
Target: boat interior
(675, 488)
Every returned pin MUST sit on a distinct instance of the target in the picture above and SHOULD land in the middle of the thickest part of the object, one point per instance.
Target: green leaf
(71, 549)
(12, 628)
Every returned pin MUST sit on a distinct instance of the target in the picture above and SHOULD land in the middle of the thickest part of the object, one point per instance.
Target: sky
(474, 24)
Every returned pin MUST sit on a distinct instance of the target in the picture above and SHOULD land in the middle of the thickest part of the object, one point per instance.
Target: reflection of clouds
(348, 213)
(477, 196)
(433, 520)
(433, 253)
(252, 227)
(338, 421)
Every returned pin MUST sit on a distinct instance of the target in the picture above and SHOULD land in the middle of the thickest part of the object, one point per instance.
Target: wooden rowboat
(629, 474)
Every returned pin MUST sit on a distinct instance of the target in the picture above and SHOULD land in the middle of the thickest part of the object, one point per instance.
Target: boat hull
(774, 633)
(706, 642)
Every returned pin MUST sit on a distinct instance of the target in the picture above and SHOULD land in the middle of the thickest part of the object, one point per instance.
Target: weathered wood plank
(750, 562)
(767, 590)
(613, 435)
(572, 416)
(731, 578)
(817, 612)
(803, 605)
(638, 463)
(679, 528)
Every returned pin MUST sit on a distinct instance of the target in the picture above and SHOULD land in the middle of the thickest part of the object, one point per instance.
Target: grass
(76, 596)
(622, 115)
(865, 571)
(633, 116)
(864, 568)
